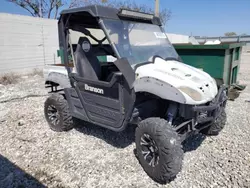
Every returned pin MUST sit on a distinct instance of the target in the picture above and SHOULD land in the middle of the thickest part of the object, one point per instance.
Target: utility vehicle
(145, 85)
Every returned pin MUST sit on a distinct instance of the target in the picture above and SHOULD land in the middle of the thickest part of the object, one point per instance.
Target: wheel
(159, 149)
(57, 113)
(217, 126)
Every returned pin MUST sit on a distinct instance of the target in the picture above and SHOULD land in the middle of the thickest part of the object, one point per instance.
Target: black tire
(62, 119)
(168, 145)
(217, 126)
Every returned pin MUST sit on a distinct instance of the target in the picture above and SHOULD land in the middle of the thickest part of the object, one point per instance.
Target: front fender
(159, 88)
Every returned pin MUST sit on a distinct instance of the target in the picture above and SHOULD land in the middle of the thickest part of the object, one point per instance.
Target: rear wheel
(158, 149)
(57, 113)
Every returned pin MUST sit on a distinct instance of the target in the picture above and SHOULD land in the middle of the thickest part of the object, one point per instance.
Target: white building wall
(27, 42)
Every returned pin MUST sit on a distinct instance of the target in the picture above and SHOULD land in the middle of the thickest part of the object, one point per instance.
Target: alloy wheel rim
(53, 114)
(149, 150)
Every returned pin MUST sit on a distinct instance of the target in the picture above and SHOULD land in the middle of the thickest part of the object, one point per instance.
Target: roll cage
(106, 101)
(80, 19)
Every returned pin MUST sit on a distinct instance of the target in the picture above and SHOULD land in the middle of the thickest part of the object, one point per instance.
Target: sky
(190, 17)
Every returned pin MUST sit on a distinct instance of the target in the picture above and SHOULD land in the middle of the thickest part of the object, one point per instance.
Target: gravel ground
(31, 155)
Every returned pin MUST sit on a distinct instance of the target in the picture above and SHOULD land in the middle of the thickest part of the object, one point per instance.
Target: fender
(159, 88)
(59, 78)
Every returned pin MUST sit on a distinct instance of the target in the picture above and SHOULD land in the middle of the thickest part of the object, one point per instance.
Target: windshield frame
(113, 46)
(116, 50)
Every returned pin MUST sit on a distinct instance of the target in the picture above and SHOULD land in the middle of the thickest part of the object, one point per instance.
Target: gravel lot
(31, 155)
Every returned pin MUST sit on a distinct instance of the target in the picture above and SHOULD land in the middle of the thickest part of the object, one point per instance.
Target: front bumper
(210, 112)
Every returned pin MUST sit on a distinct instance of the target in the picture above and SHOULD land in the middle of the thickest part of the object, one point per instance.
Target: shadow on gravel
(11, 176)
(127, 137)
(116, 139)
(193, 142)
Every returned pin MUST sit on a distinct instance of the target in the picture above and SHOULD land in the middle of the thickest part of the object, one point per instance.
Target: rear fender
(59, 78)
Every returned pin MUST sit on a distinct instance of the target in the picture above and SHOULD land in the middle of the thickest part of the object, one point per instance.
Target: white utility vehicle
(146, 85)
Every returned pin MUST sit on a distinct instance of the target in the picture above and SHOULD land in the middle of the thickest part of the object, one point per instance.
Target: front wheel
(158, 149)
(217, 126)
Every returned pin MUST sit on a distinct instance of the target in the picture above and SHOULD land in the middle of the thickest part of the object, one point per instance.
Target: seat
(87, 64)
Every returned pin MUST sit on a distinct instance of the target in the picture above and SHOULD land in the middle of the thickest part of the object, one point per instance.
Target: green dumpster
(222, 61)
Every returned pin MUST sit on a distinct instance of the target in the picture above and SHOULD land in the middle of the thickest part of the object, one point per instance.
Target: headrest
(85, 44)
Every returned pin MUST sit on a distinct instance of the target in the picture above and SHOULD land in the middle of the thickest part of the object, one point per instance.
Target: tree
(40, 8)
(229, 34)
(48, 8)
(165, 14)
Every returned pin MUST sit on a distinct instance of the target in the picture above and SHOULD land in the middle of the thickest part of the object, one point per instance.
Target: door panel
(102, 91)
(98, 107)
(102, 110)
(103, 103)
(75, 105)
(96, 99)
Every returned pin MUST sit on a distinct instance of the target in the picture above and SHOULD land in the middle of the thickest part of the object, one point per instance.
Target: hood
(181, 76)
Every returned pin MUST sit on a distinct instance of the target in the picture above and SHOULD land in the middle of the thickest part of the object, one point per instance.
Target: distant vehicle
(212, 42)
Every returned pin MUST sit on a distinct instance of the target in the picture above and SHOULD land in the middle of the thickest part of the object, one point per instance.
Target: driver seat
(87, 64)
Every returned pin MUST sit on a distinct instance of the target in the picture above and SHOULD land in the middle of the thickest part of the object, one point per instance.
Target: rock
(2, 120)
(3, 113)
(25, 77)
(20, 123)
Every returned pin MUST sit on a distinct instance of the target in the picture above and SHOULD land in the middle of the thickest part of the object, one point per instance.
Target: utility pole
(157, 8)
(40, 9)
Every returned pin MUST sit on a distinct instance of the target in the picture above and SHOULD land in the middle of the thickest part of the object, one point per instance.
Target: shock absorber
(171, 112)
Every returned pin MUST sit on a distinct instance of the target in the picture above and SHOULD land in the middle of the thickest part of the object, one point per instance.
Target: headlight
(191, 93)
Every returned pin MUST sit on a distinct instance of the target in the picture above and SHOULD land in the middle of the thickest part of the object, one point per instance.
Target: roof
(95, 11)
(90, 13)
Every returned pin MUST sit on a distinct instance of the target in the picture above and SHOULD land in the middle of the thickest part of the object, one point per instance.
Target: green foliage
(50, 8)
(165, 14)
(40, 8)
(9, 78)
(229, 34)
